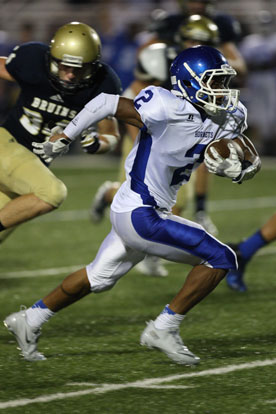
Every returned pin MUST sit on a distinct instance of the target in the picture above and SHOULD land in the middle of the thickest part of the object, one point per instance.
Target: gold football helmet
(76, 45)
(199, 30)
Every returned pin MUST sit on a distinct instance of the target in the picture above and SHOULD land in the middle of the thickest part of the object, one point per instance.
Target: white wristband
(112, 141)
(102, 106)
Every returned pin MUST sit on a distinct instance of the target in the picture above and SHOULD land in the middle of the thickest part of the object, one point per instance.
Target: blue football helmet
(201, 74)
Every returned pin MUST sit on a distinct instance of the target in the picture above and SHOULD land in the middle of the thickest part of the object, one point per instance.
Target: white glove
(248, 171)
(38, 149)
(48, 150)
(54, 149)
(230, 167)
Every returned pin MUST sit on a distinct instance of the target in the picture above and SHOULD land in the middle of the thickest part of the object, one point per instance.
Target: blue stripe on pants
(194, 240)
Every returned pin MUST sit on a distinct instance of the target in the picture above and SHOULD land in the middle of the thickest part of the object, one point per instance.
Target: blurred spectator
(26, 32)
(120, 51)
(259, 51)
(119, 46)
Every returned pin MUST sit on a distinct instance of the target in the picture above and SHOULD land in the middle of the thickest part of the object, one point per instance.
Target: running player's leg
(180, 240)
(112, 261)
(36, 189)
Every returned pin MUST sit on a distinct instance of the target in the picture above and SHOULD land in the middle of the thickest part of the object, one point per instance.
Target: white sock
(168, 319)
(38, 314)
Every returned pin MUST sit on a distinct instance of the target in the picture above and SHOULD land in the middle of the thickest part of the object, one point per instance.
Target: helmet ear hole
(187, 83)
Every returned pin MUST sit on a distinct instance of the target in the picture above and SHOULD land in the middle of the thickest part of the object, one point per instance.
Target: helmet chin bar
(230, 99)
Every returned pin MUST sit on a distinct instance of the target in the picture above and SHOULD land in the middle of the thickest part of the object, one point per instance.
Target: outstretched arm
(103, 106)
(99, 108)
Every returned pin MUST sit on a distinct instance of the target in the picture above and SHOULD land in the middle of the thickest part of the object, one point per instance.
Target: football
(221, 146)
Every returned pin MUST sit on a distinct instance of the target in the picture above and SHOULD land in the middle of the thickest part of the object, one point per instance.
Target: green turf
(97, 339)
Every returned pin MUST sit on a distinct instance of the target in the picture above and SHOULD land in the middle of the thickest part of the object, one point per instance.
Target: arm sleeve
(94, 111)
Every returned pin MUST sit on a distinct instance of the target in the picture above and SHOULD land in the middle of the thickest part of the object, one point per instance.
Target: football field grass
(95, 363)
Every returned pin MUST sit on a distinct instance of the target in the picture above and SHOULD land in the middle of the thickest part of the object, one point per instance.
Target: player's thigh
(21, 172)
(132, 231)
(172, 237)
(5, 199)
(113, 260)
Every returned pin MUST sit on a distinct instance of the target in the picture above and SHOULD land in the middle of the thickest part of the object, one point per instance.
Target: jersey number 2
(147, 98)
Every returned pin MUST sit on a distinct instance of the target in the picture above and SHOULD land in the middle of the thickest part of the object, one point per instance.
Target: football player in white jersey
(175, 128)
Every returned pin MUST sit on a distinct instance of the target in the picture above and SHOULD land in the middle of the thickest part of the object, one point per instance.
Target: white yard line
(150, 382)
(40, 272)
(241, 204)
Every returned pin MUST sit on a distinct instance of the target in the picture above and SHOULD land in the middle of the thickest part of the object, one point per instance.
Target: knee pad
(217, 254)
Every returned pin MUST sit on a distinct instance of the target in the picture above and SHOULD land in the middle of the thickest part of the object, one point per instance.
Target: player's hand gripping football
(56, 145)
(249, 169)
(230, 167)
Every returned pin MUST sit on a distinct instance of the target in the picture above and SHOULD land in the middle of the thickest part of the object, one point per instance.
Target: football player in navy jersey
(56, 81)
(175, 129)
(165, 26)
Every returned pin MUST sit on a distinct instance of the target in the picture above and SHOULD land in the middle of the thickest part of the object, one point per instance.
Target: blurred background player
(229, 31)
(259, 51)
(164, 27)
(246, 249)
(151, 69)
(56, 81)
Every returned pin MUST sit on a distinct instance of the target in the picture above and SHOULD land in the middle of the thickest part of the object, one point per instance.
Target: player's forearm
(102, 106)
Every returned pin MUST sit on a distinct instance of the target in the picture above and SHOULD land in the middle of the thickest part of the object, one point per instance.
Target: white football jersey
(169, 147)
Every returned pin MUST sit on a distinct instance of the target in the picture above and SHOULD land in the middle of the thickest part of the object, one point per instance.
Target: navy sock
(250, 246)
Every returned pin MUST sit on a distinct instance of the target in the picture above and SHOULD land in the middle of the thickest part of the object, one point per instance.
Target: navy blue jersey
(229, 28)
(39, 103)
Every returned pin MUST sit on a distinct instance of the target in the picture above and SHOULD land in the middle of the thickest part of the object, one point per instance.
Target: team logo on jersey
(204, 134)
(57, 98)
(52, 108)
(190, 118)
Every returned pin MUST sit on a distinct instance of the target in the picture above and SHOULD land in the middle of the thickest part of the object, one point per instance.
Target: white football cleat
(151, 266)
(99, 204)
(169, 342)
(202, 218)
(26, 336)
